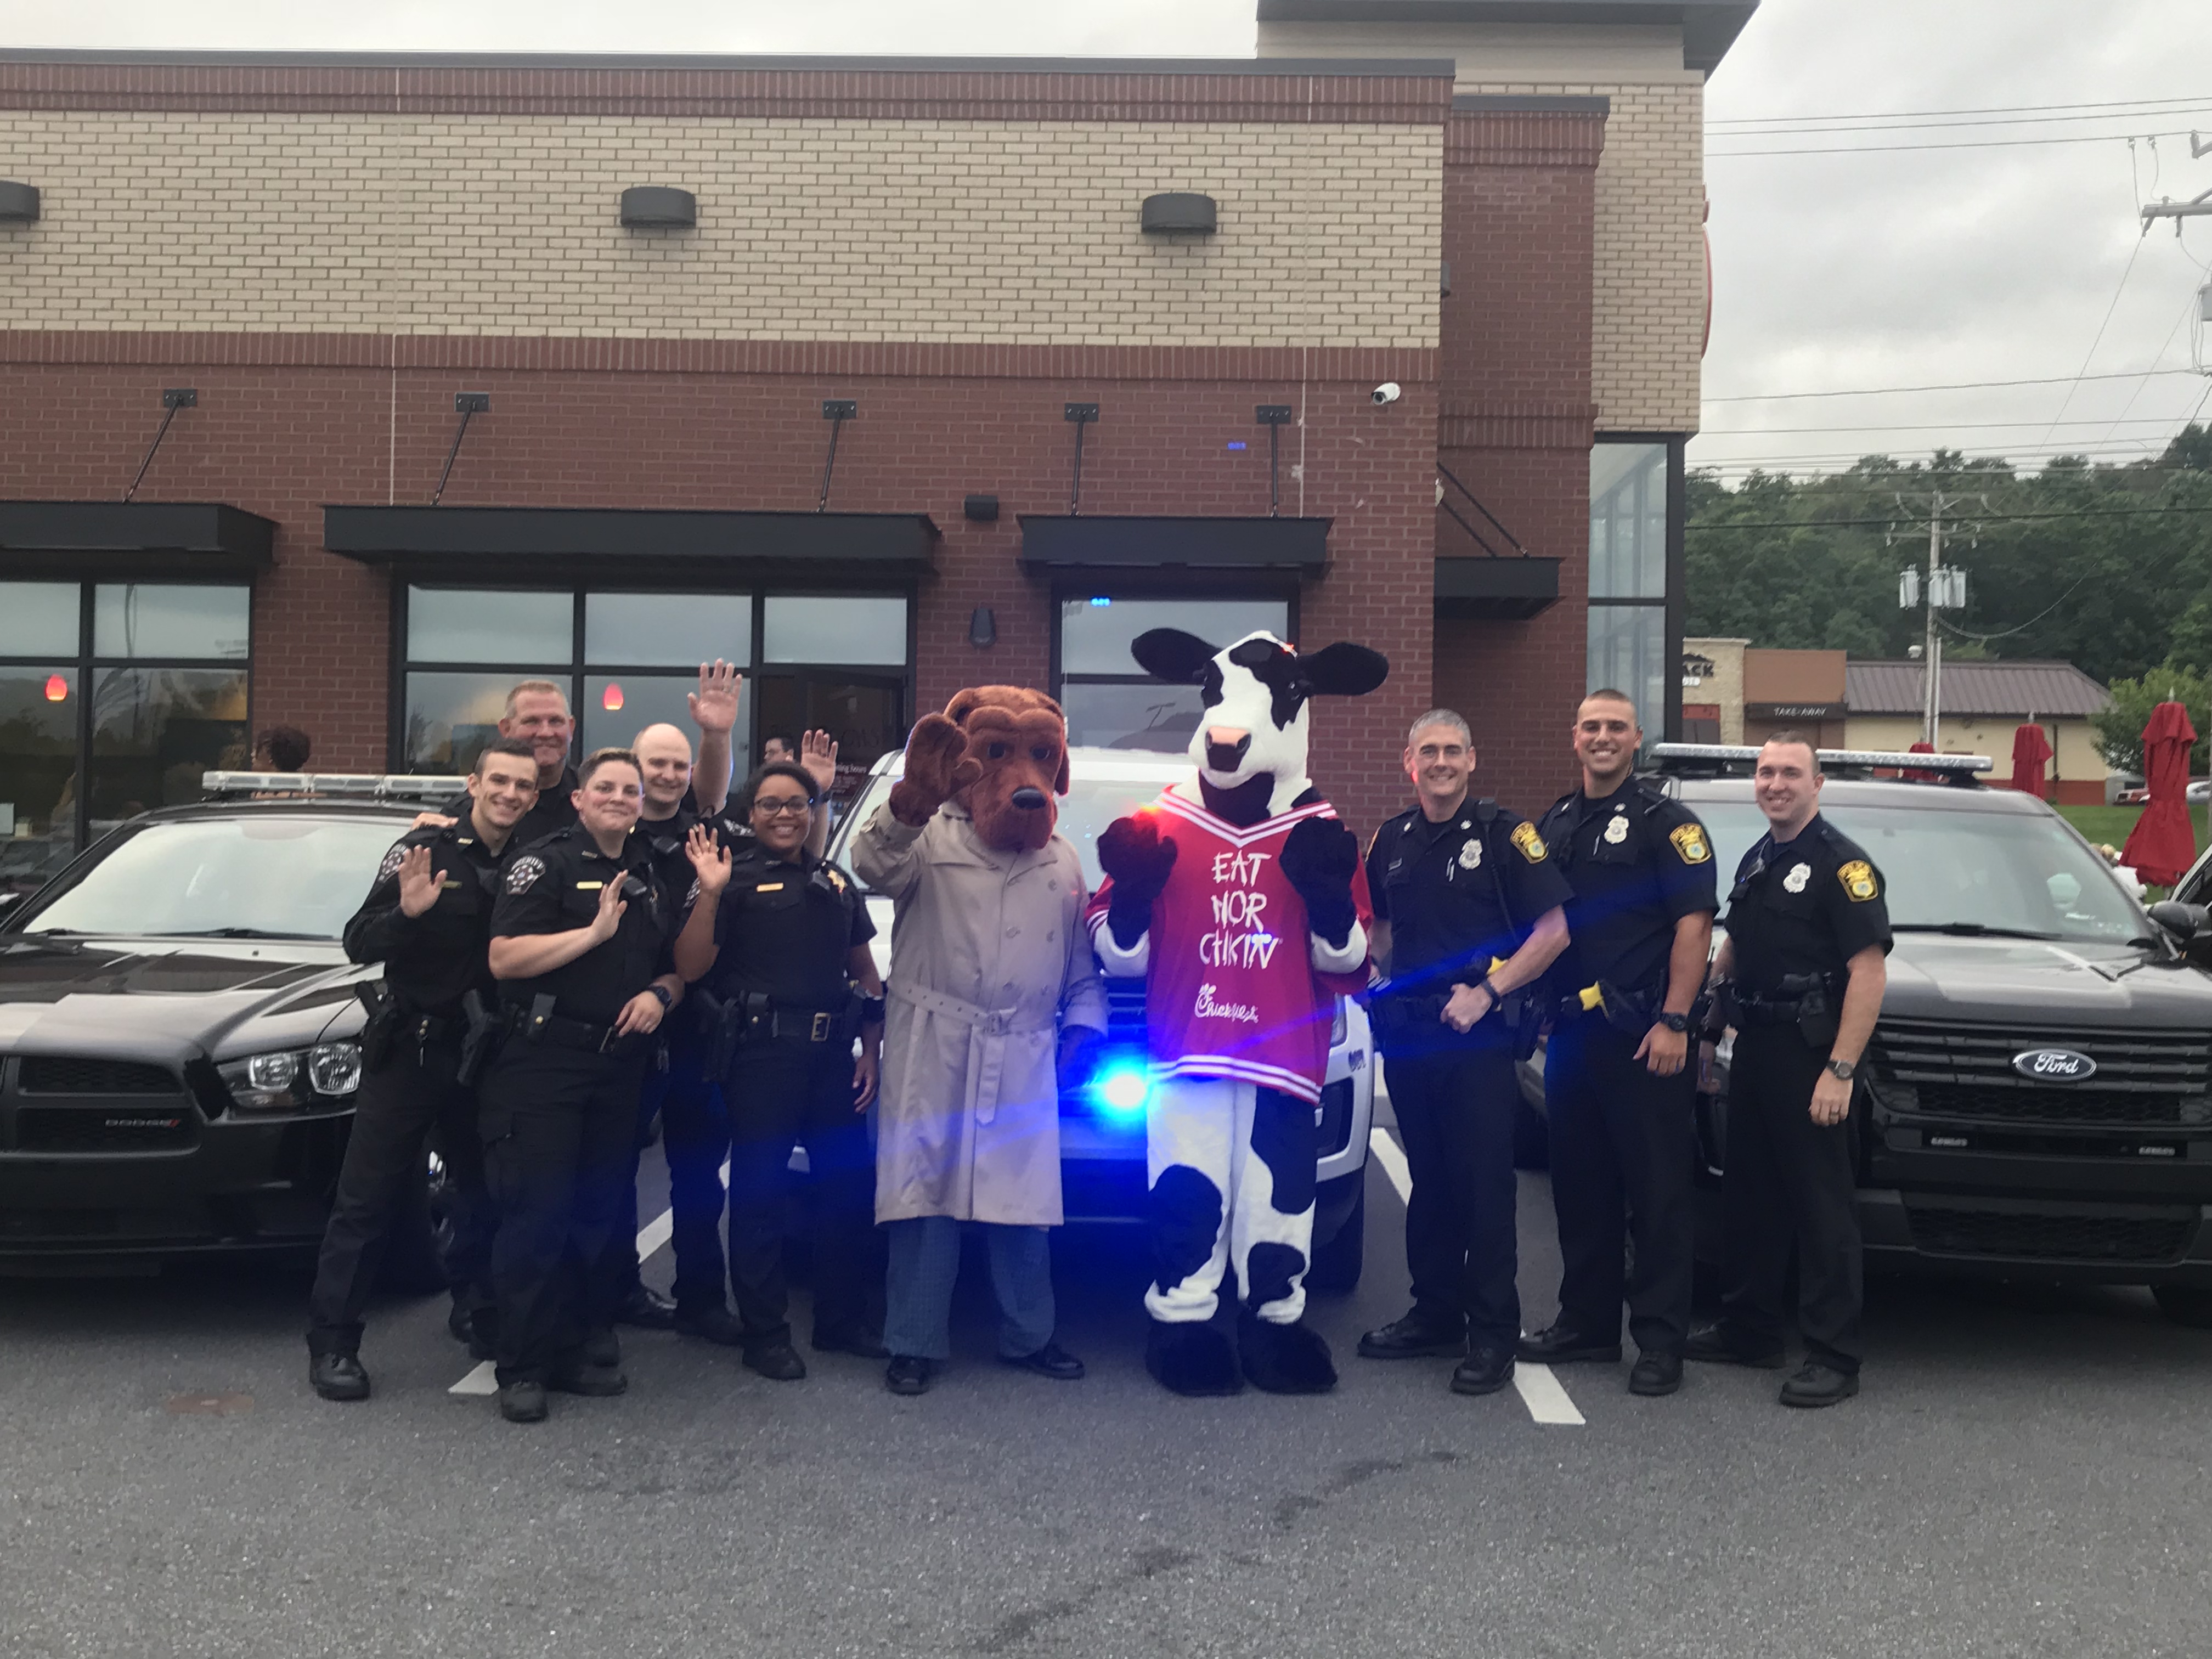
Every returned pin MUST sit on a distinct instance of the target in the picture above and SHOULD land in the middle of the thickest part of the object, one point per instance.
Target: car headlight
(289, 1079)
(1339, 1024)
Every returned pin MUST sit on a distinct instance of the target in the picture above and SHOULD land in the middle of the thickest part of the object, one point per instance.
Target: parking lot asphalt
(2024, 1474)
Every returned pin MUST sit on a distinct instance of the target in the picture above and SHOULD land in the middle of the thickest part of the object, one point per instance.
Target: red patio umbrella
(1915, 775)
(2031, 753)
(2163, 843)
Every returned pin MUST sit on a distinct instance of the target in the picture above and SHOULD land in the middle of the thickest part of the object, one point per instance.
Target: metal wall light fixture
(982, 626)
(1179, 210)
(19, 202)
(659, 207)
(981, 509)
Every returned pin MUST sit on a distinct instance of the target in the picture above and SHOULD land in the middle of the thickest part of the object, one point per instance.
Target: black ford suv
(2037, 1100)
(177, 1019)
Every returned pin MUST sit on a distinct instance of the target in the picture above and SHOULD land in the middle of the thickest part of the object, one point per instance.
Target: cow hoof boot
(1193, 1359)
(1284, 1359)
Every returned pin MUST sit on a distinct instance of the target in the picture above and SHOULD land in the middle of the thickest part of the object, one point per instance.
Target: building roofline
(1710, 27)
(1419, 67)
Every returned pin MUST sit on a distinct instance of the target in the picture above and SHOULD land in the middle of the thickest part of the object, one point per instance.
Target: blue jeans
(925, 1260)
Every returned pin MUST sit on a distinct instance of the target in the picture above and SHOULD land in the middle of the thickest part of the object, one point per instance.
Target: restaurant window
(628, 660)
(1110, 703)
(115, 697)
(1631, 494)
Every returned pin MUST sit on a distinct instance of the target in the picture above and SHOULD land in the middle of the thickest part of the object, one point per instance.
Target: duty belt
(534, 1025)
(819, 1026)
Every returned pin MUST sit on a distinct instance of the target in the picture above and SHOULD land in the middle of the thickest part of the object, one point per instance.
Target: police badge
(1616, 831)
(522, 873)
(1470, 853)
(1798, 876)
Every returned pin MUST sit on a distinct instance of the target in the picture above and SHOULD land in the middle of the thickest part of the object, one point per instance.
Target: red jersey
(1231, 990)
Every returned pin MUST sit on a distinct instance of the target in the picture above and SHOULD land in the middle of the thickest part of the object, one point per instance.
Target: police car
(178, 1026)
(1102, 1130)
(2036, 1099)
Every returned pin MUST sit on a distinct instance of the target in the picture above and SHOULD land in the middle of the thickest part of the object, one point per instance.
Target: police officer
(1802, 975)
(581, 940)
(427, 919)
(791, 937)
(1617, 1091)
(1469, 909)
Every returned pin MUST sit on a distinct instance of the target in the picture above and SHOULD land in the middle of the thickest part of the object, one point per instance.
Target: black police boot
(602, 1347)
(716, 1324)
(647, 1309)
(522, 1403)
(1195, 1360)
(1719, 1344)
(776, 1360)
(855, 1340)
(1561, 1344)
(1414, 1337)
(1487, 1368)
(338, 1376)
(1816, 1384)
(907, 1375)
(1051, 1360)
(1655, 1374)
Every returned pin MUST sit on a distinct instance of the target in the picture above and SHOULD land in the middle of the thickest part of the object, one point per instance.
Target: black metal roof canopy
(1051, 543)
(475, 537)
(181, 538)
(1496, 590)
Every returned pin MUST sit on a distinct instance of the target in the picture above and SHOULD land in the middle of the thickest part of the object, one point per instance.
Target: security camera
(1388, 393)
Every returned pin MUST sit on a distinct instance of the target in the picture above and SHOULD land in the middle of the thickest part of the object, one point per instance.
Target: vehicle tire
(413, 1264)
(1337, 1264)
(1531, 1137)
(2186, 1304)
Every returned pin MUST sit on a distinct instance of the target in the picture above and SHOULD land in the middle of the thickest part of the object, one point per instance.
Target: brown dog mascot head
(1001, 752)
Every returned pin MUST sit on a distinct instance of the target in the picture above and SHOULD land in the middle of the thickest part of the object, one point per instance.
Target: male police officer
(427, 919)
(1469, 909)
(1803, 976)
(1619, 1095)
(580, 939)
(791, 935)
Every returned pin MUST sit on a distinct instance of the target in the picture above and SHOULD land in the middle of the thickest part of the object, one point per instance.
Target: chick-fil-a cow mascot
(1238, 896)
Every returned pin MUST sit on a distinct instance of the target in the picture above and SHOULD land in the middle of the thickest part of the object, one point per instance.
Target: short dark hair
(1796, 740)
(288, 747)
(513, 748)
(783, 738)
(599, 757)
(790, 769)
(1612, 694)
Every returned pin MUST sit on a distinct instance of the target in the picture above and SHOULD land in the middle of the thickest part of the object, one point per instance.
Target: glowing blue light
(1102, 601)
(1123, 1090)
(1237, 443)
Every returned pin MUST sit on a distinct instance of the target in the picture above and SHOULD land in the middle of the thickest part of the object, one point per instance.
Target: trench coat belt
(988, 1030)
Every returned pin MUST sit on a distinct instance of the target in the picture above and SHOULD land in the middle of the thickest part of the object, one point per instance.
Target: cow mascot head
(1001, 751)
(1237, 896)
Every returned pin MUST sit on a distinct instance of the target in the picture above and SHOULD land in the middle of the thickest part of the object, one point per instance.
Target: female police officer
(790, 933)
(580, 943)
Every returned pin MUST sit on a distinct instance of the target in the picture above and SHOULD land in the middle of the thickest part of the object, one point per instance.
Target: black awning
(1146, 543)
(131, 537)
(474, 536)
(1496, 590)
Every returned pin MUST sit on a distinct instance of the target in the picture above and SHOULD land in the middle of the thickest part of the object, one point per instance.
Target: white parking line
(1539, 1390)
(651, 1239)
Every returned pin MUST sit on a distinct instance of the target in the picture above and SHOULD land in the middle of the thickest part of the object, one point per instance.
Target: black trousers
(696, 1136)
(406, 1107)
(560, 1130)
(1788, 1182)
(781, 1091)
(1623, 1146)
(1455, 1110)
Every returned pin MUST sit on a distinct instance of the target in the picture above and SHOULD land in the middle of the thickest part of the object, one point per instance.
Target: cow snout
(1030, 799)
(1226, 747)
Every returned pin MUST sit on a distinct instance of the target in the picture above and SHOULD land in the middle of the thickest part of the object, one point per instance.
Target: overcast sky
(1832, 272)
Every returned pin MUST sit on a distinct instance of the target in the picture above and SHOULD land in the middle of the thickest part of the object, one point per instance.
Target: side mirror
(8, 901)
(2184, 922)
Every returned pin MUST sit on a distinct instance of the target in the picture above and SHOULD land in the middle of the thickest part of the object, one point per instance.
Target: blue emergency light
(1122, 1089)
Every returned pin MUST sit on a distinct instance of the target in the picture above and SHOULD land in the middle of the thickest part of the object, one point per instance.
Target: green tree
(2119, 727)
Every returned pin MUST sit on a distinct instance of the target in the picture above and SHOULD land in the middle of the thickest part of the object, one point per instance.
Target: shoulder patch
(1859, 881)
(392, 860)
(1530, 844)
(522, 874)
(1690, 843)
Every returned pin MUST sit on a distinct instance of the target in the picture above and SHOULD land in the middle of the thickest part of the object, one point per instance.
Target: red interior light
(56, 687)
(611, 698)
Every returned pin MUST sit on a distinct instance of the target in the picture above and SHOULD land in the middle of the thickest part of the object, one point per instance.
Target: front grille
(2039, 1237)
(103, 1129)
(1125, 1007)
(1933, 1069)
(89, 1074)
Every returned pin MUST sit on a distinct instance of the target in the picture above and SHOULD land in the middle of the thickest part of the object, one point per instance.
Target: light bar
(1901, 760)
(354, 785)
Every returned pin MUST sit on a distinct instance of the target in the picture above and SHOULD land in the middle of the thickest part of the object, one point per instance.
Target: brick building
(1093, 344)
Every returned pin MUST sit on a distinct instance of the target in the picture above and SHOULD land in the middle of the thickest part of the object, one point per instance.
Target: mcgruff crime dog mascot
(1239, 897)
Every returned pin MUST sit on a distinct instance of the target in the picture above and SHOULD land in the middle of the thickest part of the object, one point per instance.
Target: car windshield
(254, 876)
(1999, 872)
(1090, 805)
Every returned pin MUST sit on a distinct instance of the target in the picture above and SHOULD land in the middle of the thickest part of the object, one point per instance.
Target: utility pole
(1943, 588)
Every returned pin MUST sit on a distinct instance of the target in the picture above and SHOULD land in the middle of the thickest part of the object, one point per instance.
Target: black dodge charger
(179, 1031)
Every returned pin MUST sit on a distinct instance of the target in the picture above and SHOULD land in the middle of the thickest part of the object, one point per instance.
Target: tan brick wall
(1648, 325)
(867, 230)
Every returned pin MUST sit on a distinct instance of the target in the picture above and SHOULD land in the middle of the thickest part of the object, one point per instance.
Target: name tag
(449, 884)
(589, 886)
(770, 887)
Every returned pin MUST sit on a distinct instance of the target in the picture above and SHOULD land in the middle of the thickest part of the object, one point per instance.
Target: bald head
(664, 762)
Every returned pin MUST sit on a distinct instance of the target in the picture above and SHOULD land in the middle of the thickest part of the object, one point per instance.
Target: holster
(1816, 1015)
(485, 1029)
(718, 1024)
(383, 1021)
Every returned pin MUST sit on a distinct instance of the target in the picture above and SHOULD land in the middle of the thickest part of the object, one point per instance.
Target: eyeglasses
(783, 807)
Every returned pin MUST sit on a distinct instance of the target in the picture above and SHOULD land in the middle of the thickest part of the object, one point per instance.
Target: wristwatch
(1676, 1023)
(1841, 1069)
(666, 1000)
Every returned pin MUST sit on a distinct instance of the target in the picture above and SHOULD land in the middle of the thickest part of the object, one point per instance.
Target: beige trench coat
(988, 957)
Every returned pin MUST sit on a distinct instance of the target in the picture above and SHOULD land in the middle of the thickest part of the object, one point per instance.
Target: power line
(2126, 271)
(1984, 519)
(1974, 143)
(1946, 126)
(1961, 425)
(1954, 385)
(1987, 109)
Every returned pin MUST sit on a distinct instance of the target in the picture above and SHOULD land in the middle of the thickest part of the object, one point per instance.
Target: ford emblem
(2053, 1065)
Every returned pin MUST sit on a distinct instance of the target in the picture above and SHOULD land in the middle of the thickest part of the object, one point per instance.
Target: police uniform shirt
(666, 840)
(431, 961)
(1808, 906)
(787, 930)
(553, 886)
(554, 809)
(1439, 887)
(1638, 863)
